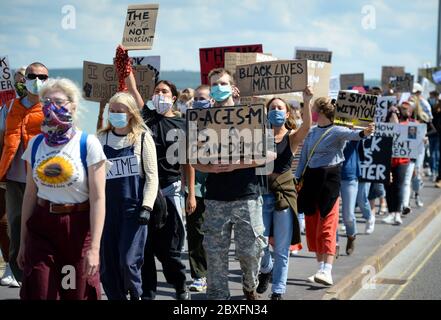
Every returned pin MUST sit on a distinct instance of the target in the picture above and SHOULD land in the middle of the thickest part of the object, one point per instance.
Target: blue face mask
(118, 120)
(201, 104)
(277, 117)
(221, 93)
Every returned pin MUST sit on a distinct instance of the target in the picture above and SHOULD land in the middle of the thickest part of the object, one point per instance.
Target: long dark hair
(172, 87)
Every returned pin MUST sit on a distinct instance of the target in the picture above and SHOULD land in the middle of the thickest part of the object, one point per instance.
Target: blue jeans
(349, 191)
(281, 223)
(434, 153)
(362, 199)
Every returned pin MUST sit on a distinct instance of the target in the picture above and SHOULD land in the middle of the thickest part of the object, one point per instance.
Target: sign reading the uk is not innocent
(139, 29)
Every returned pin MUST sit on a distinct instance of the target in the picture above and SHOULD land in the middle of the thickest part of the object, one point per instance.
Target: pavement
(349, 272)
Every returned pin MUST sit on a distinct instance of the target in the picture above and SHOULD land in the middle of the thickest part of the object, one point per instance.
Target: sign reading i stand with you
(139, 29)
(375, 155)
(272, 77)
(355, 109)
(7, 91)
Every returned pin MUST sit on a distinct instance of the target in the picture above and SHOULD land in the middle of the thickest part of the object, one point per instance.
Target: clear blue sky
(405, 32)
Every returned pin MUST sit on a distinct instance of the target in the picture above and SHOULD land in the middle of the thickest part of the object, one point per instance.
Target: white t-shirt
(58, 171)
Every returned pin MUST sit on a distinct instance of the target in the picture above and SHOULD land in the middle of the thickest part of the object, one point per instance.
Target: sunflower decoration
(55, 170)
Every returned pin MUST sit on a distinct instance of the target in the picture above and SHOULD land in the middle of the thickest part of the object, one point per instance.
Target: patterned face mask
(57, 126)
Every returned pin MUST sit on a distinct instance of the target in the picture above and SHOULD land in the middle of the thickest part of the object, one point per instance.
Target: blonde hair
(68, 87)
(136, 124)
(220, 72)
(326, 107)
(418, 112)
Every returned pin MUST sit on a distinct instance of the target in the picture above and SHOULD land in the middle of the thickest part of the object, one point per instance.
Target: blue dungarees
(123, 240)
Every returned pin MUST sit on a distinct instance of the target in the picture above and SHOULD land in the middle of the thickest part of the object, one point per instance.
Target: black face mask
(404, 114)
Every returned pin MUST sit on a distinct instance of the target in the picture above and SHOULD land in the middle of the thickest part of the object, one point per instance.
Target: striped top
(329, 152)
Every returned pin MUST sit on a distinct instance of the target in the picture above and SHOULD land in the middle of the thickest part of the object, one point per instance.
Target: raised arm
(296, 138)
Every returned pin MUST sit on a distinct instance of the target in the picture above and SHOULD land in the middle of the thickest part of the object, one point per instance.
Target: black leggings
(395, 190)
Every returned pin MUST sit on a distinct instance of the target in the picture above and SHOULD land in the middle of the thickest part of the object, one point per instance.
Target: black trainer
(276, 296)
(182, 295)
(264, 280)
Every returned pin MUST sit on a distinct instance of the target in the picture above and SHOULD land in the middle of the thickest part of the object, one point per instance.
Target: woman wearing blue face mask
(131, 189)
(280, 202)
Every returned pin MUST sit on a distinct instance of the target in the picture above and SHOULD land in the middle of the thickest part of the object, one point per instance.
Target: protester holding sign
(280, 202)
(232, 199)
(320, 170)
(63, 205)
(20, 121)
(131, 187)
(164, 242)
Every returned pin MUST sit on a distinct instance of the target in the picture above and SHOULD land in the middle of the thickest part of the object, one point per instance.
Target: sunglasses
(33, 76)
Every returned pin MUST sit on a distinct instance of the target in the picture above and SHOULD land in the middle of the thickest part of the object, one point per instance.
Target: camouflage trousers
(220, 217)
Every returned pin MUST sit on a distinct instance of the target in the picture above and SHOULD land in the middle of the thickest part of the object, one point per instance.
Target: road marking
(422, 264)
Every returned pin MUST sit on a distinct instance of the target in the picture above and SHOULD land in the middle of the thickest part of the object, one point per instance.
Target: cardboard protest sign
(272, 77)
(139, 29)
(408, 139)
(348, 81)
(123, 167)
(319, 76)
(151, 62)
(100, 81)
(383, 105)
(402, 83)
(355, 109)
(388, 72)
(375, 159)
(7, 91)
(212, 58)
(226, 133)
(234, 59)
(313, 54)
(334, 87)
(248, 101)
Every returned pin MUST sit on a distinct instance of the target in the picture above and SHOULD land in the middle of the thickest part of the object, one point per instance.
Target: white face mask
(34, 86)
(162, 104)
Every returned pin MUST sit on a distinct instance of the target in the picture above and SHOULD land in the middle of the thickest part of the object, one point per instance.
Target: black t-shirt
(231, 186)
(168, 173)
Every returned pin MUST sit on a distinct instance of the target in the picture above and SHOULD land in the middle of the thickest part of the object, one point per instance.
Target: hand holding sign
(369, 130)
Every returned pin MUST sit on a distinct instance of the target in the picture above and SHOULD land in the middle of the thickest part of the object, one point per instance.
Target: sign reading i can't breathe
(212, 58)
(225, 134)
(139, 29)
(355, 109)
(7, 91)
(272, 77)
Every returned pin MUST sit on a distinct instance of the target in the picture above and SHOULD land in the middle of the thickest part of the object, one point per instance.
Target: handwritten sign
(217, 134)
(375, 159)
(139, 29)
(314, 54)
(272, 77)
(383, 105)
(408, 139)
(234, 59)
(355, 109)
(123, 167)
(347, 81)
(212, 58)
(402, 83)
(100, 81)
(151, 62)
(7, 91)
(388, 72)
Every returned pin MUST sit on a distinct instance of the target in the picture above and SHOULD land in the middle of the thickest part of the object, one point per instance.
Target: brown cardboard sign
(272, 77)
(234, 59)
(139, 29)
(388, 72)
(402, 83)
(316, 55)
(351, 80)
(100, 81)
(355, 109)
(226, 133)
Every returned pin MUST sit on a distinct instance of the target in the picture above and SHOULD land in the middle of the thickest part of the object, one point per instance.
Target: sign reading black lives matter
(272, 77)
(355, 109)
(139, 29)
(375, 159)
(226, 133)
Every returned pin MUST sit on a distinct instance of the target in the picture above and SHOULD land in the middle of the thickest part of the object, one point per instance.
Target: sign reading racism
(234, 59)
(402, 83)
(375, 156)
(100, 81)
(225, 134)
(212, 58)
(313, 54)
(347, 81)
(355, 109)
(272, 77)
(383, 105)
(408, 139)
(388, 72)
(139, 29)
(7, 91)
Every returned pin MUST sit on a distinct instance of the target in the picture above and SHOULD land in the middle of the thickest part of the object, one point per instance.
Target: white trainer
(311, 279)
(397, 219)
(7, 277)
(370, 224)
(390, 219)
(324, 278)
